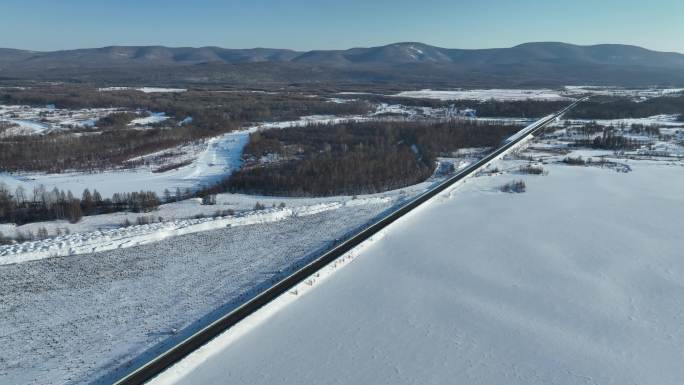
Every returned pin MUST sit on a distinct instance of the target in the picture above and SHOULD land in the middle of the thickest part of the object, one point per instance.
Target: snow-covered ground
(638, 93)
(153, 118)
(147, 90)
(485, 94)
(565, 93)
(579, 280)
(77, 319)
(657, 120)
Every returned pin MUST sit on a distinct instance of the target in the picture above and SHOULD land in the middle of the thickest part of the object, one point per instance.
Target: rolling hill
(527, 64)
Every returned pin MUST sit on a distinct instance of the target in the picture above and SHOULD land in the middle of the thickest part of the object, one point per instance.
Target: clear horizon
(43, 25)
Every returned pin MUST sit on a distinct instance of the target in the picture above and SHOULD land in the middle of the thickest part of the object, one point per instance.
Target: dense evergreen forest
(353, 157)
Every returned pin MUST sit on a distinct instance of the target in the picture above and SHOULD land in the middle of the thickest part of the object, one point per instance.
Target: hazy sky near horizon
(337, 24)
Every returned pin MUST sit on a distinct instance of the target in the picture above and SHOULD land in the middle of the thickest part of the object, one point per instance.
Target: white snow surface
(147, 90)
(485, 94)
(153, 118)
(80, 319)
(641, 93)
(580, 280)
(567, 93)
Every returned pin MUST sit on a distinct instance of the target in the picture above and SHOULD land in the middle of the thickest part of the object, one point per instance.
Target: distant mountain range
(409, 63)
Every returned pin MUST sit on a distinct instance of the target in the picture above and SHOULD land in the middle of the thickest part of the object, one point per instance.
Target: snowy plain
(564, 93)
(485, 94)
(579, 280)
(90, 293)
(147, 90)
(80, 319)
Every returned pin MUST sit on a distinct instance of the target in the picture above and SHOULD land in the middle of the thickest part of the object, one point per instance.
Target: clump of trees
(590, 128)
(118, 119)
(609, 140)
(209, 200)
(574, 161)
(21, 206)
(646, 129)
(516, 186)
(532, 169)
(353, 157)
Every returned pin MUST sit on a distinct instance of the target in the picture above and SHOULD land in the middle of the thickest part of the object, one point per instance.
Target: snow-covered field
(153, 118)
(579, 280)
(147, 90)
(77, 319)
(638, 93)
(657, 120)
(485, 94)
(80, 305)
(565, 93)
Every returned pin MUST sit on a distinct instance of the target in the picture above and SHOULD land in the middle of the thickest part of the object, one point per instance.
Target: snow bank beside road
(118, 238)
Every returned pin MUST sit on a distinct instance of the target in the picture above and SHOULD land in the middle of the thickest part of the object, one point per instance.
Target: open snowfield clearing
(487, 94)
(74, 320)
(147, 90)
(154, 118)
(580, 280)
(639, 93)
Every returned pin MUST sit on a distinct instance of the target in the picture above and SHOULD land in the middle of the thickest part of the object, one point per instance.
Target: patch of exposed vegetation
(516, 186)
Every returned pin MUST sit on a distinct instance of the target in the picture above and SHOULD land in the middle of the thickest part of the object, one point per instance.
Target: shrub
(224, 213)
(578, 161)
(209, 199)
(42, 233)
(532, 169)
(146, 220)
(516, 186)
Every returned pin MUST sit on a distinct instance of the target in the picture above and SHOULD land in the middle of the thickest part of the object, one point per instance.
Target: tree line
(21, 206)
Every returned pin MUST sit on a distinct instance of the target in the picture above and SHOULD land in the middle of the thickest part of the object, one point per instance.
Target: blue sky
(326, 24)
